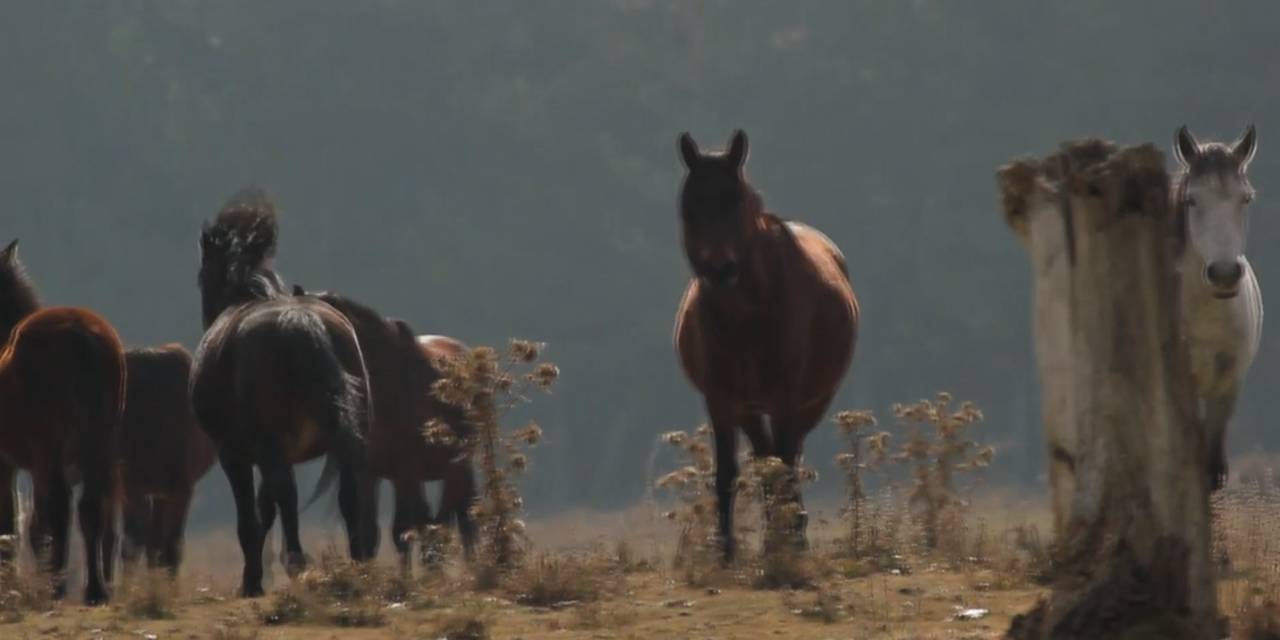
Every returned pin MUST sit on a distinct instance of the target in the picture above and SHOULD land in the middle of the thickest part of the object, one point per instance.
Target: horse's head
(234, 251)
(1214, 193)
(17, 295)
(719, 210)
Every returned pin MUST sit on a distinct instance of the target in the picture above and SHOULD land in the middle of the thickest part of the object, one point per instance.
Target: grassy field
(613, 575)
(586, 576)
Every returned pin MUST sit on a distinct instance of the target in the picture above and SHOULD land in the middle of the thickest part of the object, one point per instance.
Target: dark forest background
(496, 169)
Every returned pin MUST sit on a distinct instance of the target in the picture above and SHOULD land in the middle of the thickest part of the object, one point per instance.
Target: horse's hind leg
(459, 496)
(8, 512)
(95, 516)
(173, 527)
(50, 528)
(358, 504)
(240, 475)
(284, 490)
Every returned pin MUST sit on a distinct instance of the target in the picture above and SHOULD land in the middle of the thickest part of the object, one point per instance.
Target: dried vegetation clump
(487, 386)
(339, 592)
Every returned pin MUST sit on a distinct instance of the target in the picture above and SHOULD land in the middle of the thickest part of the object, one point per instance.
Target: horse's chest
(1219, 345)
(747, 370)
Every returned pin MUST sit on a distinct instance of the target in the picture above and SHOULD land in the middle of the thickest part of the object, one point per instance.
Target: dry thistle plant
(693, 486)
(776, 487)
(863, 453)
(487, 385)
(936, 448)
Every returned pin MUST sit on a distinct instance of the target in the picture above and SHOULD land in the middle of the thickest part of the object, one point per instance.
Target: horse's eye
(1191, 201)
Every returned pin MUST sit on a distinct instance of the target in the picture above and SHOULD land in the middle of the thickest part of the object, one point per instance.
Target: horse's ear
(1245, 147)
(738, 148)
(1185, 146)
(689, 152)
(10, 253)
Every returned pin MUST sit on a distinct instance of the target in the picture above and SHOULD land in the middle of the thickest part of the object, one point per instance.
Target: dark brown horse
(277, 381)
(62, 384)
(401, 373)
(163, 453)
(768, 323)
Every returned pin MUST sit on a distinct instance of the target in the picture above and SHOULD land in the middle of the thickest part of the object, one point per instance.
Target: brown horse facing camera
(62, 385)
(277, 381)
(401, 374)
(768, 323)
(163, 453)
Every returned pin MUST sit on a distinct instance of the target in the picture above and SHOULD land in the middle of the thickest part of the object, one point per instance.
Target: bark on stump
(1127, 456)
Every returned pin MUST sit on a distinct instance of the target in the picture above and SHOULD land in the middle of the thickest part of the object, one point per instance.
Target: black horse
(278, 380)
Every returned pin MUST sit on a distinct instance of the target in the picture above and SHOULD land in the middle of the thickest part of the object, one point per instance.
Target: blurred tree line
(505, 168)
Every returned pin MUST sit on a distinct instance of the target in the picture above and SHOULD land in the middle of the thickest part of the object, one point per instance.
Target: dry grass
(339, 592)
(149, 595)
(559, 581)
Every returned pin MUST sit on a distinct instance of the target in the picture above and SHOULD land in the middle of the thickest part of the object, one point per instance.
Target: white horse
(1221, 302)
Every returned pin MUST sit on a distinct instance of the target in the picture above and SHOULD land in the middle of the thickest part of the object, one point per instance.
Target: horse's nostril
(1225, 273)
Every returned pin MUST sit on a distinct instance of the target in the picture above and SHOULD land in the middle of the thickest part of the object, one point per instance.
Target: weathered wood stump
(1130, 497)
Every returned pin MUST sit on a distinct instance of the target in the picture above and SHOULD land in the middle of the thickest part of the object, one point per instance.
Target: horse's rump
(64, 375)
(299, 372)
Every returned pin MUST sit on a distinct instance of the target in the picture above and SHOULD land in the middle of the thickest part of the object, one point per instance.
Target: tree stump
(1127, 455)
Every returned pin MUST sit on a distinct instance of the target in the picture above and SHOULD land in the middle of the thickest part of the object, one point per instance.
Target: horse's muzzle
(721, 274)
(1224, 277)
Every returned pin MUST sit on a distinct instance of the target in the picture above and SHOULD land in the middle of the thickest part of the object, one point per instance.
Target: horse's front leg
(789, 431)
(725, 432)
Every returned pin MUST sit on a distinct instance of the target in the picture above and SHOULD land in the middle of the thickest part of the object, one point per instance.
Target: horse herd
(765, 332)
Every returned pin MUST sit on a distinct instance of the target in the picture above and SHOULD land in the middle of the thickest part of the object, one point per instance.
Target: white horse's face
(1217, 225)
(1216, 198)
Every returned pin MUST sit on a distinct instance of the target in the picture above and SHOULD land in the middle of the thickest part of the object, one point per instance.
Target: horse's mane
(251, 211)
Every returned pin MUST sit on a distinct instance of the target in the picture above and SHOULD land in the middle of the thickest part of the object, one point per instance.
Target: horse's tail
(338, 391)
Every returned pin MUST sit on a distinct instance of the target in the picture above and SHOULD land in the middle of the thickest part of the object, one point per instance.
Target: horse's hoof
(59, 590)
(294, 563)
(95, 597)
(251, 591)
